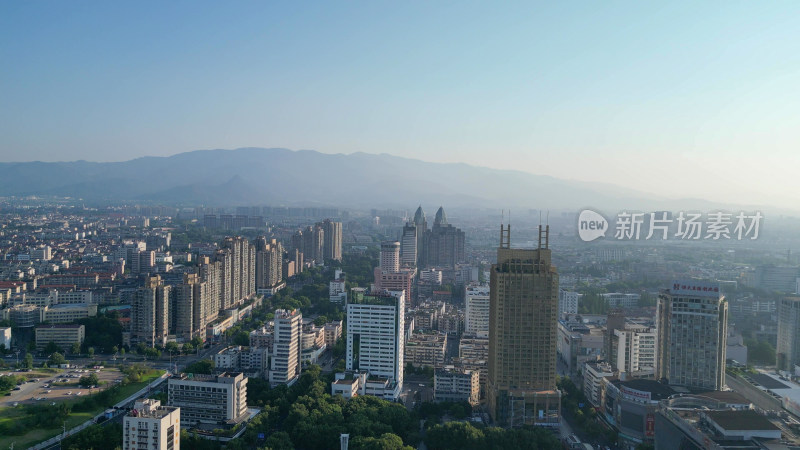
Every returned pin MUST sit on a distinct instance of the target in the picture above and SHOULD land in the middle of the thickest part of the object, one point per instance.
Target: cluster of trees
(108, 436)
(36, 416)
(103, 332)
(7, 382)
(206, 367)
(760, 352)
(464, 436)
(576, 408)
(306, 416)
(89, 380)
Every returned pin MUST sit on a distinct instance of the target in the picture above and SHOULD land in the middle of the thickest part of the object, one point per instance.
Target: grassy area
(37, 435)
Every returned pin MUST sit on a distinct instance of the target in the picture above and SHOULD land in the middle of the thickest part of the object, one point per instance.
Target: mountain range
(275, 176)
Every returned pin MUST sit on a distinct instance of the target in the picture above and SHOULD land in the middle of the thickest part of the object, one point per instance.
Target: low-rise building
(451, 385)
(578, 343)
(254, 361)
(593, 374)
(426, 349)
(620, 300)
(263, 337)
(212, 399)
(333, 331)
(62, 335)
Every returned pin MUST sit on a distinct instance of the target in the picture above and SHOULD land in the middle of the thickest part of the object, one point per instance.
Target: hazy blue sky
(674, 98)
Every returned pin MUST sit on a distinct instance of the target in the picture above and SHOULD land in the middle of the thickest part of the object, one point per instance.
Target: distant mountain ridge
(276, 176)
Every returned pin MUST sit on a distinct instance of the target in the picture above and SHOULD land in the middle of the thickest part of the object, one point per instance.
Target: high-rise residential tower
(788, 351)
(523, 321)
(692, 332)
(332, 237)
(150, 313)
(269, 263)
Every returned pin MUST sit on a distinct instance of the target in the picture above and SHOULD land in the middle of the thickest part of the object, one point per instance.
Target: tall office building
(150, 313)
(788, 351)
(443, 243)
(522, 335)
(390, 257)
(285, 360)
(376, 336)
(421, 224)
(408, 245)
(692, 333)
(151, 426)
(476, 316)
(332, 237)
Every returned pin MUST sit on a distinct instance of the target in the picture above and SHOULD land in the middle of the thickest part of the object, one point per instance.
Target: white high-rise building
(152, 426)
(692, 334)
(390, 257)
(568, 302)
(476, 317)
(285, 361)
(635, 351)
(376, 335)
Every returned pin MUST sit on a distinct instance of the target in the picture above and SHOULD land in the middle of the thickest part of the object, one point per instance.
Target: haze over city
(678, 100)
(255, 225)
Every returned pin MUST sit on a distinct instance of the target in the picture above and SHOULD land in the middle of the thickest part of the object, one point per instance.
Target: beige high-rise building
(522, 336)
(332, 236)
(211, 273)
(692, 333)
(269, 263)
(191, 307)
(150, 313)
(240, 280)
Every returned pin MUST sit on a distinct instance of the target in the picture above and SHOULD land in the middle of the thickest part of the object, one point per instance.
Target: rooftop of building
(658, 391)
(729, 397)
(204, 377)
(741, 420)
(383, 298)
(59, 325)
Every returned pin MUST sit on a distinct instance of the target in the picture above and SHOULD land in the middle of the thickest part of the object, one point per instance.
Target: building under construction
(522, 335)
